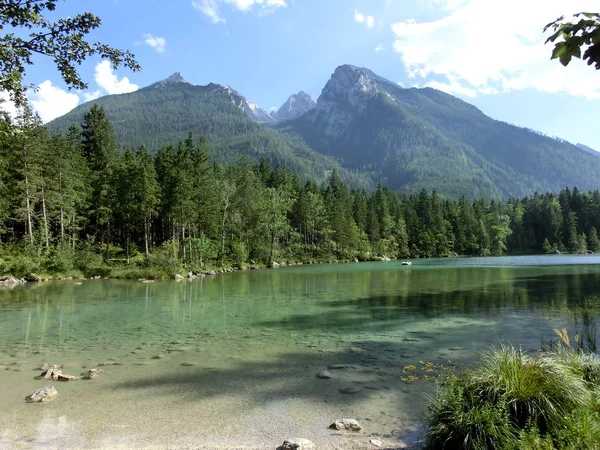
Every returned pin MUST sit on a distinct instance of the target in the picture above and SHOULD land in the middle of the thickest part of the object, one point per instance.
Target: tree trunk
(223, 233)
(62, 218)
(28, 207)
(45, 220)
(146, 232)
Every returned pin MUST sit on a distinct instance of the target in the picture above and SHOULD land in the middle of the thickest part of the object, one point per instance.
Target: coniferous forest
(73, 204)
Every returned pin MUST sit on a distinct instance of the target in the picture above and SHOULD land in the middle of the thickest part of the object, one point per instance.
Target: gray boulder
(347, 425)
(296, 444)
(42, 395)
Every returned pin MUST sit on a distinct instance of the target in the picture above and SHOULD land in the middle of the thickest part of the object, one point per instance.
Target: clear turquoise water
(252, 343)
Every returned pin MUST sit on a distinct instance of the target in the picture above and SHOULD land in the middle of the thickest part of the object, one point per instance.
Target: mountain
(169, 81)
(166, 111)
(585, 148)
(424, 138)
(295, 106)
(368, 128)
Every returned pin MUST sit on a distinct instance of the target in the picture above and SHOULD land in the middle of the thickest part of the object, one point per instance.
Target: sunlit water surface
(239, 353)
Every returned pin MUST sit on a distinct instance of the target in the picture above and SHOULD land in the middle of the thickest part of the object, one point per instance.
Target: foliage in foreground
(512, 400)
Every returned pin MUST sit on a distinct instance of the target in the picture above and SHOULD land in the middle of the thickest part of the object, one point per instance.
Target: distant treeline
(75, 203)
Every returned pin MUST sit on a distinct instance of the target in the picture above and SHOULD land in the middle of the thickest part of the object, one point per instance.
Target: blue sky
(490, 54)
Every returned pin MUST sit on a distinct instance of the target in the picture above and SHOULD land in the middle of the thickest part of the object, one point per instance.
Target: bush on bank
(511, 400)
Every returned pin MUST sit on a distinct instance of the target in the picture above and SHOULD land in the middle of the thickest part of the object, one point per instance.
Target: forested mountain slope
(369, 128)
(415, 138)
(166, 111)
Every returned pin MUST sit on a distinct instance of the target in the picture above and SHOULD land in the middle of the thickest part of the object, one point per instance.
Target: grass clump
(511, 400)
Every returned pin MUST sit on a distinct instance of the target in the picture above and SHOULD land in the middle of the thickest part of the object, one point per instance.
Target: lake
(231, 361)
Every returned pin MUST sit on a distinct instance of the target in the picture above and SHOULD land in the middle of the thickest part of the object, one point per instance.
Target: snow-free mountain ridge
(295, 106)
(366, 127)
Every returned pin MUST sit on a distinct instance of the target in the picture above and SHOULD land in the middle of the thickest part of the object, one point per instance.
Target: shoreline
(149, 274)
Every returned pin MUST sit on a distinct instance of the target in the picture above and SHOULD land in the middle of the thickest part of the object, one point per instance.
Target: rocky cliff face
(295, 106)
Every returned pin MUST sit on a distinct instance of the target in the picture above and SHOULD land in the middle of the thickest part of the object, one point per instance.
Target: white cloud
(51, 101)
(210, 8)
(7, 105)
(446, 4)
(88, 96)
(108, 80)
(156, 42)
(361, 18)
(485, 47)
(379, 48)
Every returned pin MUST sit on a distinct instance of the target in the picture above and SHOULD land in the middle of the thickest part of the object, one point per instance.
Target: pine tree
(100, 151)
(147, 193)
(593, 241)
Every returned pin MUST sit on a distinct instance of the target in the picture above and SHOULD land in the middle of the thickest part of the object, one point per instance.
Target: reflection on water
(249, 339)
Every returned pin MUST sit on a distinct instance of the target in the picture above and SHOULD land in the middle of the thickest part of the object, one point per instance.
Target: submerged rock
(325, 375)
(347, 425)
(63, 377)
(91, 374)
(340, 367)
(376, 442)
(47, 366)
(42, 395)
(49, 374)
(296, 444)
(350, 390)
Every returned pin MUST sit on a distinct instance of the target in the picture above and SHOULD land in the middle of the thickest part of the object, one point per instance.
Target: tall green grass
(511, 400)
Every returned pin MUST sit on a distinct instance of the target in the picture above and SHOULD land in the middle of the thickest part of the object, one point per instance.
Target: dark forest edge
(73, 205)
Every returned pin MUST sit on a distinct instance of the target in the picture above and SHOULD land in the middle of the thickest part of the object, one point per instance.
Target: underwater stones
(42, 395)
(354, 350)
(188, 364)
(376, 442)
(159, 356)
(347, 425)
(48, 366)
(324, 375)
(91, 374)
(148, 281)
(340, 367)
(410, 340)
(350, 390)
(49, 374)
(63, 377)
(296, 444)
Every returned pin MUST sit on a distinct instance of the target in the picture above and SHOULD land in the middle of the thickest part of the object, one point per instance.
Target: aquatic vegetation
(410, 378)
(514, 400)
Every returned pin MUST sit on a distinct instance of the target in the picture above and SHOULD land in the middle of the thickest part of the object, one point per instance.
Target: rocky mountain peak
(349, 84)
(170, 80)
(295, 106)
(252, 110)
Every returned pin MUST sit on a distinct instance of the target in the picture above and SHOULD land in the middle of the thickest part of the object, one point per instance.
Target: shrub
(511, 400)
